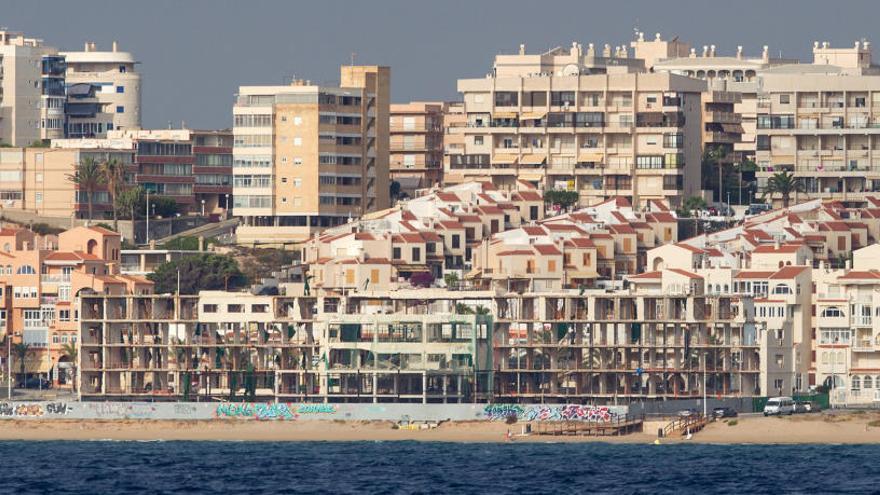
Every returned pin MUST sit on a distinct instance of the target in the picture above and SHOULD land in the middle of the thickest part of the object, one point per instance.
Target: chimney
(848, 264)
(591, 50)
(712, 51)
(606, 50)
(693, 53)
(86, 47)
(858, 45)
(705, 50)
(522, 48)
(765, 55)
(115, 46)
(657, 37)
(739, 51)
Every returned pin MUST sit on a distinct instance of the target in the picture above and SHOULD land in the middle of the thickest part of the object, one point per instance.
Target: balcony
(55, 279)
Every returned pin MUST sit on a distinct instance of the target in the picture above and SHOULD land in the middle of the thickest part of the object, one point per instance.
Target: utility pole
(705, 405)
(9, 366)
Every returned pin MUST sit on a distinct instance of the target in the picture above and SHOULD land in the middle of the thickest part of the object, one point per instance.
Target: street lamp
(203, 207)
(705, 405)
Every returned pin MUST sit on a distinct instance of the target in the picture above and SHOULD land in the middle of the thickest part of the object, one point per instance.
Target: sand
(815, 428)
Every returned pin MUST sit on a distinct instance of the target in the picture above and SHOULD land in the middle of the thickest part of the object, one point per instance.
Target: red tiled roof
(788, 272)
(489, 210)
(102, 230)
(548, 249)
(364, 236)
(690, 248)
(451, 224)
(652, 275)
(534, 230)
(516, 252)
(753, 274)
(581, 242)
(660, 217)
(834, 226)
(448, 197)
(685, 273)
(784, 248)
(527, 196)
(621, 229)
(860, 275)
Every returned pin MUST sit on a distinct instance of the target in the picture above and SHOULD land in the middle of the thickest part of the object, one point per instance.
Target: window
(235, 308)
(395, 253)
(259, 308)
(782, 289)
(374, 276)
(297, 141)
(209, 308)
(856, 382)
(297, 120)
(778, 383)
(120, 109)
(456, 241)
(780, 360)
(416, 254)
(25, 270)
(832, 312)
(785, 99)
(834, 335)
(120, 89)
(478, 140)
(551, 265)
(64, 315)
(38, 197)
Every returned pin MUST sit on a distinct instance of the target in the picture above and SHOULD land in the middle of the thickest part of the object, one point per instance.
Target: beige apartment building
(307, 157)
(580, 120)
(23, 105)
(416, 157)
(103, 91)
(35, 180)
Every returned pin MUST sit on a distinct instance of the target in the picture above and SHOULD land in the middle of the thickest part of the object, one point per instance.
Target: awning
(408, 182)
(591, 156)
(782, 160)
(734, 128)
(533, 159)
(531, 177)
(504, 159)
(532, 115)
(504, 115)
(412, 268)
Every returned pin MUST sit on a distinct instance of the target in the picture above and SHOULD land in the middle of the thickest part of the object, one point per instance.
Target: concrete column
(424, 387)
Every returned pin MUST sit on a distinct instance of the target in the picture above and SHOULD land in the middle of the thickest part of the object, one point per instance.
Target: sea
(111, 467)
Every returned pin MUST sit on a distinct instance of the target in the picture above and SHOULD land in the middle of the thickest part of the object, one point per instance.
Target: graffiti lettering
(494, 412)
(256, 411)
(569, 412)
(29, 410)
(316, 409)
(59, 408)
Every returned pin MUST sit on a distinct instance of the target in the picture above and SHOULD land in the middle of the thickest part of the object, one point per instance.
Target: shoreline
(841, 428)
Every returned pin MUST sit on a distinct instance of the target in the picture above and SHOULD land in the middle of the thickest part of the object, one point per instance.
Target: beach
(845, 428)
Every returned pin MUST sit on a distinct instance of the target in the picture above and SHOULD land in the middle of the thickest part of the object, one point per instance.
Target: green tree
(451, 279)
(130, 203)
(784, 184)
(201, 272)
(71, 352)
(713, 163)
(87, 177)
(21, 351)
(564, 199)
(394, 189)
(114, 176)
(691, 204)
(164, 207)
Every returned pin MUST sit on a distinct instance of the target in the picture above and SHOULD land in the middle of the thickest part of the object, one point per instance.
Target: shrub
(45, 229)
(732, 422)
(422, 279)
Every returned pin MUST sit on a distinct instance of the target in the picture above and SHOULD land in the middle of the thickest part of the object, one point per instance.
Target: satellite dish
(571, 70)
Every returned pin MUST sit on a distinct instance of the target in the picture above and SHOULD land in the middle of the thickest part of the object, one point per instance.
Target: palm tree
(21, 350)
(114, 176)
(784, 184)
(71, 352)
(87, 177)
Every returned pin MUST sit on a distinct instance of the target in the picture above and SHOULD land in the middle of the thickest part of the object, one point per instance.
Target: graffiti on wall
(34, 410)
(568, 412)
(271, 411)
(117, 410)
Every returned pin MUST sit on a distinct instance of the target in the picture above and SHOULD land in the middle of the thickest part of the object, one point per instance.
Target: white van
(777, 406)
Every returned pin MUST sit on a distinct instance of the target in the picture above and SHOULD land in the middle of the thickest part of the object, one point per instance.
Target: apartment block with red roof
(41, 280)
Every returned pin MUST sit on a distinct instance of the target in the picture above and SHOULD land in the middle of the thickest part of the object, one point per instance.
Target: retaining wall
(307, 411)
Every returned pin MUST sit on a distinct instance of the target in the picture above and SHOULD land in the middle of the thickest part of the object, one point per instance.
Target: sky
(195, 53)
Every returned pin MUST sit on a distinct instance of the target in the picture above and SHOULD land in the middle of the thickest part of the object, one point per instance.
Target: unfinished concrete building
(624, 345)
(239, 346)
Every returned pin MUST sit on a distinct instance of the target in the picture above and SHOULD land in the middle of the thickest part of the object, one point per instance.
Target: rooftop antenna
(353, 55)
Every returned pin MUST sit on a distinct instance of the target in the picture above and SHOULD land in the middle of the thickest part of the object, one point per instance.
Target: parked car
(777, 406)
(800, 407)
(724, 412)
(685, 413)
(37, 382)
(757, 208)
(812, 406)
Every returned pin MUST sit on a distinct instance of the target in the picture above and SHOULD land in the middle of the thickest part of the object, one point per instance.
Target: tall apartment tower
(103, 91)
(22, 100)
(307, 157)
(584, 120)
(417, 144)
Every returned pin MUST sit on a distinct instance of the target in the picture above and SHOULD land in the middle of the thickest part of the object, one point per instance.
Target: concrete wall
(300, 411)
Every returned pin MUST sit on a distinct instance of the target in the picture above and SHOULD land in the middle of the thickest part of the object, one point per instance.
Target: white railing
(55, 279)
